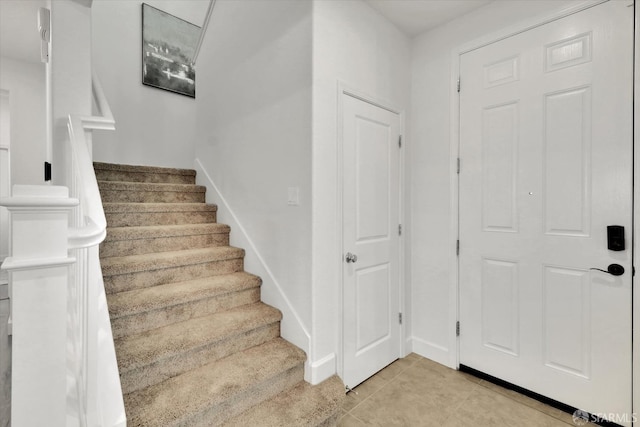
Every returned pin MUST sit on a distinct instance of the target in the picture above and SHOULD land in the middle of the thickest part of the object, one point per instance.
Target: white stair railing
(64, 370)
(92, 367)
(203, 31)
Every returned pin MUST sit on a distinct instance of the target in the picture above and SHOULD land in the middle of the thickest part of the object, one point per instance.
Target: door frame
(345, 89)
(454, 147)
(635, 258)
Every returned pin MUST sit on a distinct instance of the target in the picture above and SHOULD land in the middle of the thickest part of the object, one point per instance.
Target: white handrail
(97, 395)
(203, 31)
(101, 101)
(92, 230)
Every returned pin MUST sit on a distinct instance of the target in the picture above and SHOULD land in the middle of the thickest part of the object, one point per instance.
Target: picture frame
(168, 45)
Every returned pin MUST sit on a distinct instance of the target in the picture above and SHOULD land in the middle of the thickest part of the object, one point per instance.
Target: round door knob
(613, 269)
(349, 257)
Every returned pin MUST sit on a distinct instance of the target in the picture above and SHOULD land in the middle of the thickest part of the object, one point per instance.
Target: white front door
(371, 273)
(546, 165)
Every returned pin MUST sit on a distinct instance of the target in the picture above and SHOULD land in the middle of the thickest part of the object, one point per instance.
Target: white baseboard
(431, 351)
(291, 328)
(321, 369)
(408, 346)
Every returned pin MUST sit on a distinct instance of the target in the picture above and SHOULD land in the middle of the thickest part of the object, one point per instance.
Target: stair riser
(260, 392)
(144, 279)
(137, 219)
(124, 196)
(207, 370)
(161, 370)
(162, 244)
(157, 318)
(155, 178)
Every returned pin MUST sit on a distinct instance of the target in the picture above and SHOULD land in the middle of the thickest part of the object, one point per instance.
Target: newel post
(38, 278)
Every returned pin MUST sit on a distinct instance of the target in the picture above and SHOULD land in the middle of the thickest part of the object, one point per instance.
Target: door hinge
(399, 229)
(400, 318)
(458, 247)
(400, 141)
(458, 166)
(47, 171)
(44, 28)
(458, 84)
(458, 328)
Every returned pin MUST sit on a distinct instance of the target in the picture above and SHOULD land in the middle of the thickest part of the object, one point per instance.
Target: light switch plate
(294, 196)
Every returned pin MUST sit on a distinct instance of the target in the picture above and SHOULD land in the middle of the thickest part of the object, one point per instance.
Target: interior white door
(546, 153)
(371, 332)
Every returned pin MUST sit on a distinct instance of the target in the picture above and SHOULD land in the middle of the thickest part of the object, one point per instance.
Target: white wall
(5, 179)
(352, 44)
(254, 140)
(69, 72)
(25, 82)
(636, 220)
(249, 127)
(432, 87)
(153, 127)
(5, 191)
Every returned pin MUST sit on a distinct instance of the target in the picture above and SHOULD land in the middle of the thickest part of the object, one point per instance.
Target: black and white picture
(168, 45)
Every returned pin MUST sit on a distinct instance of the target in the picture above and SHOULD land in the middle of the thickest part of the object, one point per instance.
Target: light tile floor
(415, 391)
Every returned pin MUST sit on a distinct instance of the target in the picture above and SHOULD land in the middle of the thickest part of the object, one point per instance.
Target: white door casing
(546, 151)
(5, 176)
(371, 212)
(636, 295)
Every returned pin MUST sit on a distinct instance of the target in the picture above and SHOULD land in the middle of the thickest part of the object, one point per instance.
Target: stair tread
(303, 405)
(146, 299)
(142, 349)
(143, 169)
(213, 351)
(154, 231)
(115, 207)
(160, 260)
(194, 391)
(150, 186)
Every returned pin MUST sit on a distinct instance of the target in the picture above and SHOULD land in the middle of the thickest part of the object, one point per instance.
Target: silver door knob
(349, 257)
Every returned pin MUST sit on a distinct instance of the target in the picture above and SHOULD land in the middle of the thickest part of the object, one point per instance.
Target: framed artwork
(168, 45)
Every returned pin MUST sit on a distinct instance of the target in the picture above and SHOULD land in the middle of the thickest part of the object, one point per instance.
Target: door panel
(500, 307)
(499, 154)
(371, 217)
(546, 151)
(567, 146)
(372, 306)
(566, 303)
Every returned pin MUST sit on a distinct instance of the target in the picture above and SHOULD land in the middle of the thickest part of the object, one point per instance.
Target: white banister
(65, 371)
(38, 270)
(91, 225)
(97, 379)
(64, 368)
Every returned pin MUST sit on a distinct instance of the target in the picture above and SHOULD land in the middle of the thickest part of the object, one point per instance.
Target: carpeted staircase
(195, 345)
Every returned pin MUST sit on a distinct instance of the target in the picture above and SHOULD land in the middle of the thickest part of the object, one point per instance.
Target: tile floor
(415, 391)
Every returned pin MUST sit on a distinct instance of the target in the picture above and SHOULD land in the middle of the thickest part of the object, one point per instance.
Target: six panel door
(546, 150)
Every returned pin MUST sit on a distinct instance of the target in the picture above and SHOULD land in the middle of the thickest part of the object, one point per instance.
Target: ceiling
(19, 37)
(414, 17)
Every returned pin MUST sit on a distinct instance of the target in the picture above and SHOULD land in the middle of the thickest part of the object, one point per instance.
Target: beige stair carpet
(195, 345)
